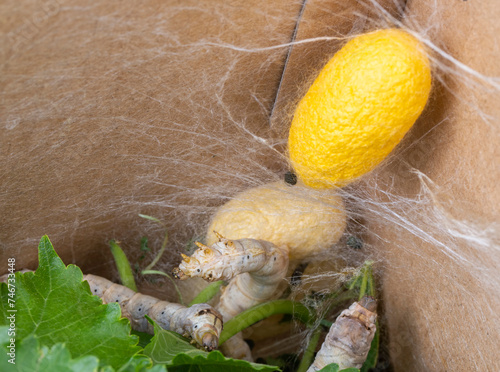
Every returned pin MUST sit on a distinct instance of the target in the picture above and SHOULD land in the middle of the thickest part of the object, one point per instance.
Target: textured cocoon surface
(359, 108)
(305, 221)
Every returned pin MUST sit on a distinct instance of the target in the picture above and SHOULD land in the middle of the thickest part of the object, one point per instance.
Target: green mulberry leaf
(334, 367)
(55, 305)
(178, 355)
(30, 356)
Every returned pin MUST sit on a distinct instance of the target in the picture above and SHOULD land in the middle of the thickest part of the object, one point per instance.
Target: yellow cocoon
(359, 108)
(304, 220)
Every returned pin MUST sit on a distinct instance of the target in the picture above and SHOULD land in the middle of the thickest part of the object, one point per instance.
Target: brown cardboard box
(110, 109)
(456, 145)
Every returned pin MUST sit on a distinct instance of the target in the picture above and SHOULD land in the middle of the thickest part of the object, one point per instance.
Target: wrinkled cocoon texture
(359, 108)
(296, 217)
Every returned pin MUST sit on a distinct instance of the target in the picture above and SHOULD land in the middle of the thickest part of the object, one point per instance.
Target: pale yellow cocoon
(304, 220)
(359, 108)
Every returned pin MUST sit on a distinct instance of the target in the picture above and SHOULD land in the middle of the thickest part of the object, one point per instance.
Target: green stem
(207, 293)
(124, 269)
(251, 316)
(160, 253)
(157, 272)
(364, 284)
(151, 218)
(371, 282)
(326, 323)
(307, 358)
(372, 357)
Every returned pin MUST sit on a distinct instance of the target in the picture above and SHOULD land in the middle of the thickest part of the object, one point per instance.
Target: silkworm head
(203, 263)
(206, 327)
(177, 273)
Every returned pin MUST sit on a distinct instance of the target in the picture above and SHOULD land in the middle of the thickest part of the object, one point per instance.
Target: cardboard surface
(86, 118)
(431, 326)
(90, 127)
(338, 20)
(92, 134)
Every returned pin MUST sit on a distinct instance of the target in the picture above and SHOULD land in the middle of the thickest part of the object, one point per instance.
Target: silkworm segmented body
(256, 269)
(200, 322)
(349, 339)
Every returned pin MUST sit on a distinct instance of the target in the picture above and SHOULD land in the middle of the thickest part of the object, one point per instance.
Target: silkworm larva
(200, 322)
(349, 339)
(256, 269)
